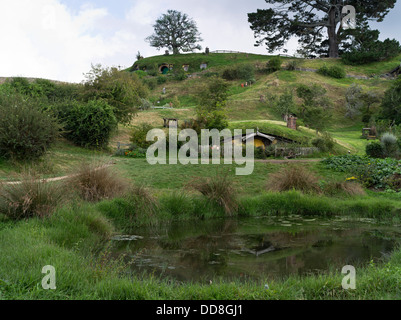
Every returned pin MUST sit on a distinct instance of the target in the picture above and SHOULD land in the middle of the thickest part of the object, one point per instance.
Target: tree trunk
(331, 30)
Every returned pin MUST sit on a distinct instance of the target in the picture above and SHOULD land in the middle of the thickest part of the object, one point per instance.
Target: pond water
(252, 248)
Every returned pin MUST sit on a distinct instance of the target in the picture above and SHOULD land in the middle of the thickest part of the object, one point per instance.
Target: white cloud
(42, 38)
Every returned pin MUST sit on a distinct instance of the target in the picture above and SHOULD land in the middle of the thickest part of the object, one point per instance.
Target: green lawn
(351, 138)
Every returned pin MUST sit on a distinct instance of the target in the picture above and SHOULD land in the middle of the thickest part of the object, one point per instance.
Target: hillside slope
(244, 103)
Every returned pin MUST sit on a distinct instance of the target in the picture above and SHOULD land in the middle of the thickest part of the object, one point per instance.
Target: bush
(244, 72)
(31, 197)
(346, 187)
(97, 182)
(138, 136)
(394, 182)
(136, 153)
(325, 143)
(120, 89)
(390, 145)
(89, 125)
(371, 172)
(293, 65)
(260, 153)
(293, 178)
(145, 203)
(334, 71)
(375, 150)
(161, 79)
(218, 189)
(274, 64)
(179, 75)
(151, 83)
(372, 52)
(26, 131)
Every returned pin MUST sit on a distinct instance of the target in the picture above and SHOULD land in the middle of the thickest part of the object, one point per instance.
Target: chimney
(292, 122)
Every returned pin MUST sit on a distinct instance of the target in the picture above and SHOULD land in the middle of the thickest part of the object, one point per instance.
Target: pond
(254, 248)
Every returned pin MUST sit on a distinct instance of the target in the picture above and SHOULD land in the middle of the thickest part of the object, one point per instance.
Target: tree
(363, 46)
(315, 23)
(213, 101)
(175, 31)
(122, 90)
(285, 103)
(354, 101)
(391, 105)
(315, 107)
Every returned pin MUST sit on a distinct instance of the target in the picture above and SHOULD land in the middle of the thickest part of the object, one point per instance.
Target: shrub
(179, 75)
(31, 197)
(293, 65)
(345, 187)
(293, 178)
(274, 64)
(136, 153)
(391, 104)
(218, 189)
(371, 172)
(26, 131)
(161, 79)
(151, 83)
(138, 136)
(146, 104)
(372, 51)
(394, 182)
(244, 72)
(97, 182)
(390, 145)
(145, 203)
(325, 143)
(89, 125)
(375, 150)
(260, 153)
(334, 71)
(122, 90)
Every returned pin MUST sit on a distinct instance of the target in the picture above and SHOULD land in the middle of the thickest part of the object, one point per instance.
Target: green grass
(74, 242)
(351, 138)
(375, 68)
(214, 60)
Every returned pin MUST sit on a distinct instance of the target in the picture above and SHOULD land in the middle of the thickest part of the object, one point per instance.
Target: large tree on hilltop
(175, 31)
(316, 23)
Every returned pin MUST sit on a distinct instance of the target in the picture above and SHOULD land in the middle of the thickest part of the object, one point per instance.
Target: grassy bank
(74, 240)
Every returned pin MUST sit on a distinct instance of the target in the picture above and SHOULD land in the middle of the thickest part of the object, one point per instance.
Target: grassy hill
(244, 103)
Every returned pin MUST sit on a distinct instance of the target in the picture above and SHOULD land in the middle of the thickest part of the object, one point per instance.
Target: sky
(60, 39)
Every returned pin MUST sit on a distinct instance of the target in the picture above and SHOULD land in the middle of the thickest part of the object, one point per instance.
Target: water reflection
(254, 247)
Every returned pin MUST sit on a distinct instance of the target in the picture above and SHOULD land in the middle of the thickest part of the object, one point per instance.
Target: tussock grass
(30, 197)
(293, 177)
(218, 189)
(336, 188)
(95, 182)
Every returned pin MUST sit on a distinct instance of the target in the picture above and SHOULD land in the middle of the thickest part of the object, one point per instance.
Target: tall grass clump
(30, 197)
(97, 182)
(143, 200)
(335, 188)
(293, 178)
(218, 189)
(389, 143)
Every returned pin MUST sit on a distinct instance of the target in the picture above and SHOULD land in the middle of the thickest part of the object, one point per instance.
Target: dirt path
(11, 183)
(290, 161)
